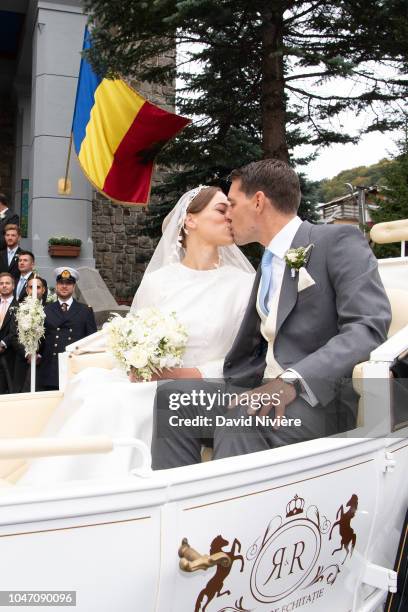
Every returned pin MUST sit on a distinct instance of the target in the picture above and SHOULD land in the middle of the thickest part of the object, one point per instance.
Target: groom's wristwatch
(290, 379)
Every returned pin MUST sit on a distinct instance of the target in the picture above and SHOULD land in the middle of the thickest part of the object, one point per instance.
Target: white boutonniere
(298, 258)
(2, 215)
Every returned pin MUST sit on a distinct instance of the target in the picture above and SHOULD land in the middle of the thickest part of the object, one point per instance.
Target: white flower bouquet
(30, 324)
(146, 340)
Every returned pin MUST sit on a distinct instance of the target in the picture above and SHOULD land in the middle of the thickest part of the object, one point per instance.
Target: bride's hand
(132, 376)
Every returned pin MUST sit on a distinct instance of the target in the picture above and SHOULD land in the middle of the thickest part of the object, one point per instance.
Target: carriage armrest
(391, 348)
(385, 354)
(378, 369)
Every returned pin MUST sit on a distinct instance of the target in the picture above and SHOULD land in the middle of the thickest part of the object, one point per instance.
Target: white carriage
(312, 526)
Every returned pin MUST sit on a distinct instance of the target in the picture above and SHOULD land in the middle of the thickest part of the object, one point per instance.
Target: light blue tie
(266, 278)
(20, 286)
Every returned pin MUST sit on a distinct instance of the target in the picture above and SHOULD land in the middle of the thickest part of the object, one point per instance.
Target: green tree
(328, 189)
(251, 56)
(310, 199)
(258, 78)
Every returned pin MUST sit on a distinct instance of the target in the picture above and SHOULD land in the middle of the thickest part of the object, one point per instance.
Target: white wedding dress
(211, 305)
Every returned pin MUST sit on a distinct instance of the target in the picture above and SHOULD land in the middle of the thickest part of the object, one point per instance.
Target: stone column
(22, 152)
(57, 43)
(6, 147)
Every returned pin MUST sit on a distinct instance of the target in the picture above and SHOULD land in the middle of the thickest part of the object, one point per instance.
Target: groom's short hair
(275, 178)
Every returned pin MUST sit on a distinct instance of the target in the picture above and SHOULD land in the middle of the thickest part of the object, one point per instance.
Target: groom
(303, 331)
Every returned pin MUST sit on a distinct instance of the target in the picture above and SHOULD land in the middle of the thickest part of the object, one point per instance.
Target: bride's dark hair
(202, 198)
(198, 204)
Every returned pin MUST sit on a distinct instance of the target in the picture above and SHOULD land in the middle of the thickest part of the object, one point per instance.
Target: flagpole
(34, 353)
(64, 184)
(68, 162)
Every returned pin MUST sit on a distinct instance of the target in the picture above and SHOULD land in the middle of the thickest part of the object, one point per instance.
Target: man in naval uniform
(66, 321)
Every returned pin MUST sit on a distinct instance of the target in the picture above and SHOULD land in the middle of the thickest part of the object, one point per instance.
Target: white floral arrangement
(51, 297)
(146, 340)
(30, 324)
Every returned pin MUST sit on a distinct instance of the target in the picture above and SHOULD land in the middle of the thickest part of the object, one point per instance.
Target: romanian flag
(117, 135)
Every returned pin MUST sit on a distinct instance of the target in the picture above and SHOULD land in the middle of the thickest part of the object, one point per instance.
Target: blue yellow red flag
(117, 134)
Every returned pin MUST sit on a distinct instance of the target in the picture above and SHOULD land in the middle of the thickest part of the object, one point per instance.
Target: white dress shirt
(21, 284)
(67, 302)
(279, 245)
(10, 254)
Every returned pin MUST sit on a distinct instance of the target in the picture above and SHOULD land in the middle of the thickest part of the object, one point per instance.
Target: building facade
(40, 46)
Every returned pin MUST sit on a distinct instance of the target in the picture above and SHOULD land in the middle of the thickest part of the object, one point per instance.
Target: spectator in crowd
(21, 378)
(9, 255)
(26, 263)
(8, 307)
(66, 321)
(6, 217)
(42, 289)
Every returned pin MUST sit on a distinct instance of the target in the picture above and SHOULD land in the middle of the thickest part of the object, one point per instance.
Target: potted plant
(63, 246)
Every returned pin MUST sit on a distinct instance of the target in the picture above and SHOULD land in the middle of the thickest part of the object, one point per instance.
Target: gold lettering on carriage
(287, 564)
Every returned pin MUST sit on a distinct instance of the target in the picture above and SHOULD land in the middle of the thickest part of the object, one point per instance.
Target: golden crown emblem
(65, 274)
(295, 506)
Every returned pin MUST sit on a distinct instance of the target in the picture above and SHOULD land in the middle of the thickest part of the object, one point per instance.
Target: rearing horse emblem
(216, 583)
(347, 533)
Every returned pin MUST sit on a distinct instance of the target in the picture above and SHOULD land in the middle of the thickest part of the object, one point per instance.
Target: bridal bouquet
(146, 340)
(30, 324)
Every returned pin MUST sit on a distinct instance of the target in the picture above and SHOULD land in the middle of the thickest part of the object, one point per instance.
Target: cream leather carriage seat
(399, 319)
(90, 352)
(78, 362)
(399, 309)
(23, 415)
(388, 233)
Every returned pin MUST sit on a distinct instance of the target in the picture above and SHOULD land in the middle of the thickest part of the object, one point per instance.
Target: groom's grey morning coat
(327, 328)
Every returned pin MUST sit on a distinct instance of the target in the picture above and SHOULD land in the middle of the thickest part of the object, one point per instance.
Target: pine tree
(250, 55)
(310, 199)
(258, 78)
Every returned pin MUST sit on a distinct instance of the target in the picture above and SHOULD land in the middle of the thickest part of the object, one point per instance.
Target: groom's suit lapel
(289, 289)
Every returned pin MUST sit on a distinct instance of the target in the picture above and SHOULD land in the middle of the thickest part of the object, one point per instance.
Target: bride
(199, 273)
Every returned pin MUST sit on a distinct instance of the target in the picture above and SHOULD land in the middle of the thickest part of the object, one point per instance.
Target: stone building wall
(121, 249)
(6, 148)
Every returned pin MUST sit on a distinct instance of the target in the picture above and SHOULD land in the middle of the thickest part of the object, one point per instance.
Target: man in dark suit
(6, 217)
(66, 321)
(22, 364)
(9, 255)
(26, 263)
(8, 307)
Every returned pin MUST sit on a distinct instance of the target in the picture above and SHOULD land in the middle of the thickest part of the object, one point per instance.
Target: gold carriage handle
(191, 560)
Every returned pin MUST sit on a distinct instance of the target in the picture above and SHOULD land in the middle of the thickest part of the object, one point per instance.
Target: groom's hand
(276, 394)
